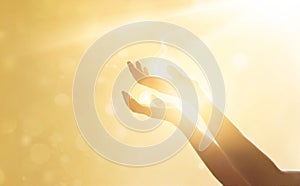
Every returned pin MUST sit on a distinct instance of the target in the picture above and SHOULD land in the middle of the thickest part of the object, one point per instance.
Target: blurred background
(255, 42)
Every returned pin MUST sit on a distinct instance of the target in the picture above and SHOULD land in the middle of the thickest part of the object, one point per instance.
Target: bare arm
(213, 157)
(250, 161)
(255, 166)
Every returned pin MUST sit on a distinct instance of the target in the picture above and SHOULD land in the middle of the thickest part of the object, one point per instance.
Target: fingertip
(130, 65)
(125, 97)
(124, 93)
(138, 64)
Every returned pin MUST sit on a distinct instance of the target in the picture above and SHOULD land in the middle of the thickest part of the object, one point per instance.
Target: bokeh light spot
(8, 126)
(62, 99)
(33, 127)
(25, 140)
(39, 153)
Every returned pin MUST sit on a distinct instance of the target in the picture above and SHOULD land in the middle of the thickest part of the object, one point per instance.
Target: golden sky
(42, 42)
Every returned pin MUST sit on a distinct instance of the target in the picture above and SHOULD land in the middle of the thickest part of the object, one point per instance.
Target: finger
(130, 102)
(152, 111)
(139, 66)
(135, 106)
(146, 71)
(132, 68)
(126, 97)
(130, 65)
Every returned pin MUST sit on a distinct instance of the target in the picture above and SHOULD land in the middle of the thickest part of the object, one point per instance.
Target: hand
(134, 106)
(156, 110)
(144, 78)
(141, 75)
(137, 72)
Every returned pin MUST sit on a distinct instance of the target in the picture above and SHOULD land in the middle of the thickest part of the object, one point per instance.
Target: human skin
(233, 160)
(213, 157)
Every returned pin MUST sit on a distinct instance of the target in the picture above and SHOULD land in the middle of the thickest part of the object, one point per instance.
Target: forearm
(251, 162)
(213, 157)
(217, 162)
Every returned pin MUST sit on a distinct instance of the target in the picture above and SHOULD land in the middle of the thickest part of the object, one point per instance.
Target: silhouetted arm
(213, 157)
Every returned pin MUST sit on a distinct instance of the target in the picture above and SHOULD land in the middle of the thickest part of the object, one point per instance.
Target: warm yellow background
(41, 42)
